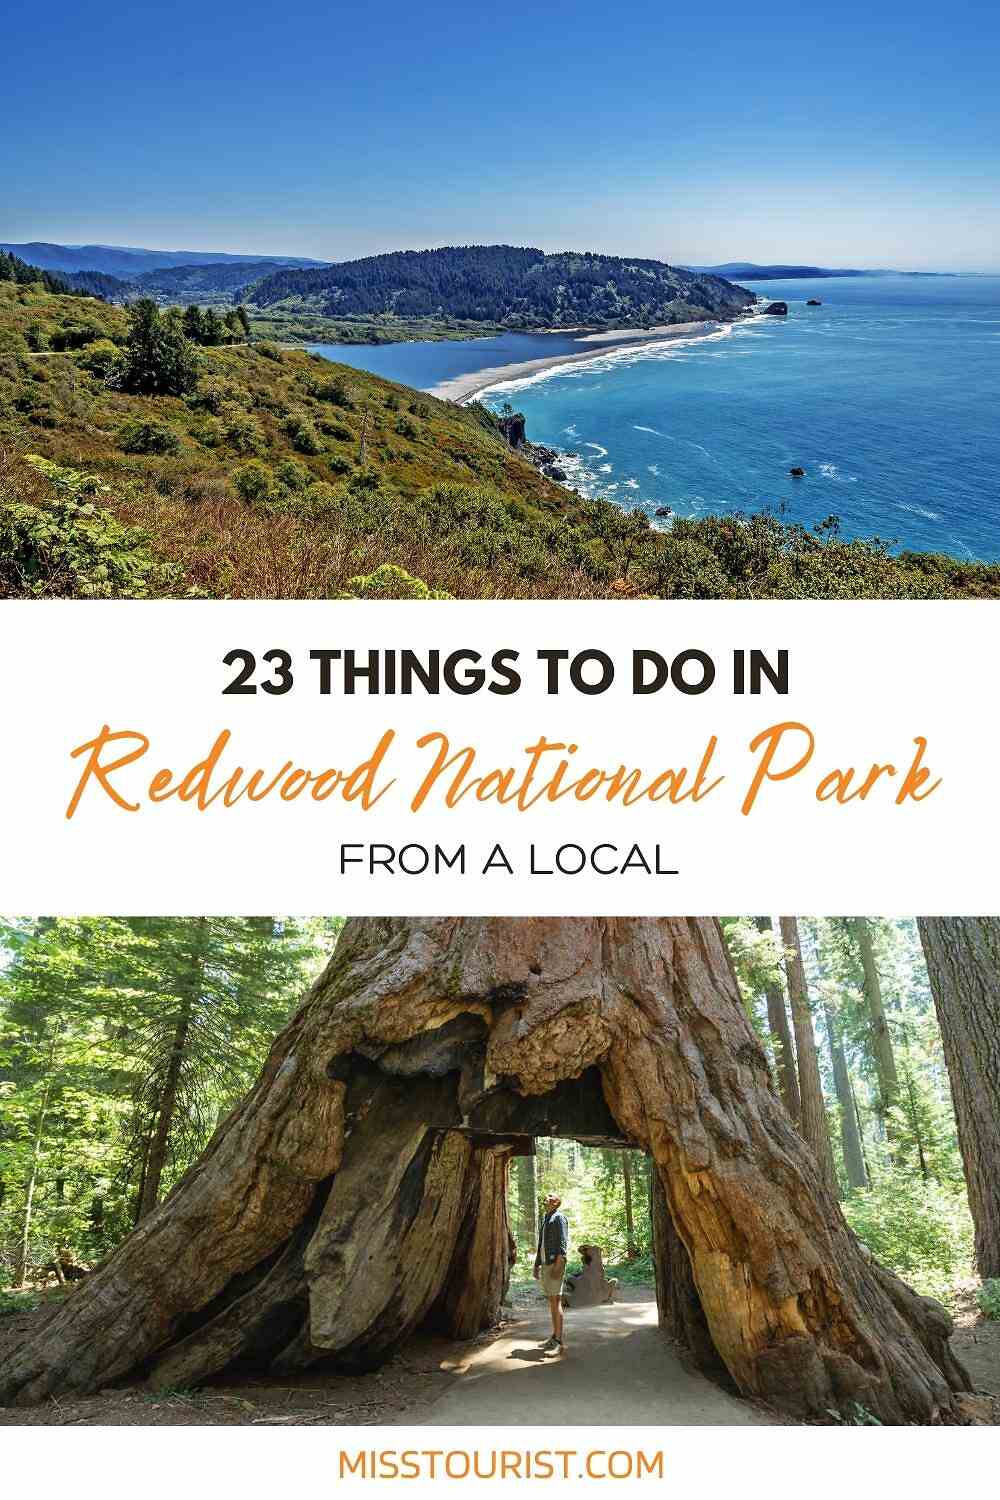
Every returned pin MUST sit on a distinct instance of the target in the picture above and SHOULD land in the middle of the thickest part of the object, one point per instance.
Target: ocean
(887, 395)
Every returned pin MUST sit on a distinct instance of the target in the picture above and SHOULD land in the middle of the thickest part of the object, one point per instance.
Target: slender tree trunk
(632, 1248)
(813, 1118)
(963, 961)
(850, 1136)
(24, 1241)
(326, 1217)
(156, 1156)
(527, 1200)
(882, 1050)
(781, 1039)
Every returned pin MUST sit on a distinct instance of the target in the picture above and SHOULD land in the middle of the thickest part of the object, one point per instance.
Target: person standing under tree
(550, 1265)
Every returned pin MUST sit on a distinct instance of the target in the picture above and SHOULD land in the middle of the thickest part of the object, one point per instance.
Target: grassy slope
(441, 495)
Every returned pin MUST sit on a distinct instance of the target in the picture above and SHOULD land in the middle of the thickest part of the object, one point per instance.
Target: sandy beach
(464, 387)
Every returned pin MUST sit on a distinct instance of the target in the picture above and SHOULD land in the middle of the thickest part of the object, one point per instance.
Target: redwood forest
(261, 1146)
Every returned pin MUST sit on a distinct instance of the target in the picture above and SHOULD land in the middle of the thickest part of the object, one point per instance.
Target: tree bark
(963, 961)
(344, 1176)
(155, 1158)
(781, 1038)
(850, 1136)
(885, 1059)
(813, 1118)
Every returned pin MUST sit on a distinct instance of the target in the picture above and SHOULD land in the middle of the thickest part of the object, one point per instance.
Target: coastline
(462, 388)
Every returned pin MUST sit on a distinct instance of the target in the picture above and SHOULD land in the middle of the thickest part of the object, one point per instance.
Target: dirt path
(617, 1370)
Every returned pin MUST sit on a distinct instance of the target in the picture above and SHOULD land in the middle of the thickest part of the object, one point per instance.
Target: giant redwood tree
(963, 961)
(358, 1191)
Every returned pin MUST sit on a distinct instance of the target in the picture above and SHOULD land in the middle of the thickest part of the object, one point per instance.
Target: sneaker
(552, 1343)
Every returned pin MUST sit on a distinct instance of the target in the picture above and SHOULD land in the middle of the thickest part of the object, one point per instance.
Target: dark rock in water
(512, 427)
(797, 473)
(814, 302)
(777, 309)
(554, 472)
(663, 510)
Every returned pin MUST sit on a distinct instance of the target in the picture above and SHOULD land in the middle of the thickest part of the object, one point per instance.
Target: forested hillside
(148, 453)
(518, 288)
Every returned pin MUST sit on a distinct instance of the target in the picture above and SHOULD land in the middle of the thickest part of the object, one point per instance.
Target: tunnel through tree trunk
(326, 1218)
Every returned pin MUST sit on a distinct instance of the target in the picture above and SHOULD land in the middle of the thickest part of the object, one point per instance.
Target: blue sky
(869, 136)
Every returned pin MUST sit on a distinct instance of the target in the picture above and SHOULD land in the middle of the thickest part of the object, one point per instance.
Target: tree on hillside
(813, 1116)
(158, 360)
(357, 1192)
(194, 324)
(963, 961)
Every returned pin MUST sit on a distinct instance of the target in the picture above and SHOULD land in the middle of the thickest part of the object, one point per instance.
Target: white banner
(755, 1462)
(515, 758)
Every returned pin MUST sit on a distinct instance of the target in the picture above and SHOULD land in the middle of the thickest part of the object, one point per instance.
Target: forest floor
(617, 1370)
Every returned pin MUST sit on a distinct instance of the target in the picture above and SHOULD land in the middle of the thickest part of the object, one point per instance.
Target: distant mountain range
(504, 284)
(749, 271)
(127, 262)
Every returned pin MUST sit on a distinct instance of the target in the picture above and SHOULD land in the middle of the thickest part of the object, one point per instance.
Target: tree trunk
(963, 961)
(885, 1060)
(527, 1200)
(24, 1241)
(850, 1136)
(781, 1038)
(632, 1249)
(327, 1216)
(813, 1118)
(156, 1156)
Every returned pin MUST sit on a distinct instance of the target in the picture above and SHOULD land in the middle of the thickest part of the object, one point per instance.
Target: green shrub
(293, 474)
(340, 465)
(337, 430)
(99, 357)
(988, 1298)
(321, 498)
(148, 437)
(268, 351)
(390, 582)
(72, 547)
(920, 1230)
(255, 483)
(241, 431)
(75, 336)
(405, 428)
(302, 434)
(332, 391)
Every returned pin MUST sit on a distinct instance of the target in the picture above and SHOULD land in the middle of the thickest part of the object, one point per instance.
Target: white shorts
(551, 1280)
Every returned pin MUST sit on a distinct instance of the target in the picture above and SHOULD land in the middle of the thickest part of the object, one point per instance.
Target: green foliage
(148, 437)
(69, 546)
(99, 357)
(255, 483)
(505, 284)
(988, 1298)
(158, 359)
(389, 582)
(303, 435)
(241, 430)
(96, 1014)
(920, 1230)
(445, 498)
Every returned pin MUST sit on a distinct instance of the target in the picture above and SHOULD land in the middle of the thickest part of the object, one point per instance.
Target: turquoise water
(887, 396)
